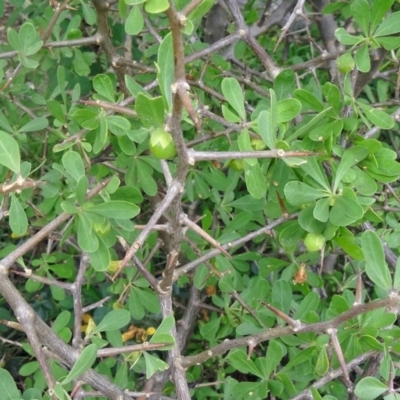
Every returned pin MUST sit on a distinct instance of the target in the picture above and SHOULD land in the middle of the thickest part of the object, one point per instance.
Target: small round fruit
(345, 63)
(237, 165)
(258, 144)
(162, 145)
(314, 242)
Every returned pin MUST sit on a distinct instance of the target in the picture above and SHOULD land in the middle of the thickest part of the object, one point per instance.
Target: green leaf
(266, 128)
(345, 240)
(274, 356)
(239, 360)
(314, 169)
(73, 164)
(308, 222)
(345, 211)
(87, 239)
(85, 360)
(308, 100)
(321, 209)
(134, 22)
(103, 85)
(153, 364)
(362, 59)
(118, 125)
(245, 145)
(150, 110)
(305, 128)
(8, 388)
(396, 279)
(156, 6)
(164, 328)
(284, 83)
(81, 189)
(27, 37)
(332, 96)
(389, 26)
(115, 209)
(17, 217)
(327, 131)
(165, 63)
(88, 13)
(9, 152)
(379, 118)
(345, 38)
(101, 257)
(134, 2)
(350, 157)
(322, 364)
(375, 267)
(370, 388)
(300, 358)
(13, 39)
(288, 109)
(361, 12)
(309, 303)
(378, 11)
(281, 295)
(255, 181)
(298, 193)
(115, 319)
(364, 184)
(35, 125)
(233, 93)
(133, 87)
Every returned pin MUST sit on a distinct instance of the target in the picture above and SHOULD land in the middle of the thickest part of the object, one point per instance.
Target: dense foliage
(199, 200)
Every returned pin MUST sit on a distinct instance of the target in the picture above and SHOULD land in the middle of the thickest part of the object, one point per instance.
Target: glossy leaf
(322, 364)
(389, 25)
(87, 239)
(345, 211)
(350, 157)
(153, 364)
(100, 258)
(378, 11)
(362, 14)
(267, 129)
(103, 85)
(150, 110)
(288, 109)
(255, 181)
(8, 388)
(34, 125)
(17, 217)
(234, 95)
(284, 84)
(308, 100)
(298, 193)
(9, 152)
(73, 164)
(115, 209)
(85, 360)
(115, 319)
(134, 22)
(375, 267)
(370, 388)
(165, 63)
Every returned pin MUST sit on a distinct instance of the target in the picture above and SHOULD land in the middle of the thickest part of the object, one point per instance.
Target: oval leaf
(375, 267)
(117, 209)
(115, 319)
(83, 363)
(9, 152)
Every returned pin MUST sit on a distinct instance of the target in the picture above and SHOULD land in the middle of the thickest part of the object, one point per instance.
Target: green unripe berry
(162, 145)
(314, 242)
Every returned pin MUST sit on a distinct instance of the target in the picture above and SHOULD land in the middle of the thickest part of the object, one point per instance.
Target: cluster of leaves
(278, 171)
